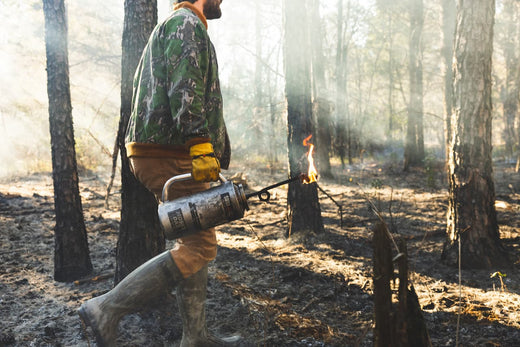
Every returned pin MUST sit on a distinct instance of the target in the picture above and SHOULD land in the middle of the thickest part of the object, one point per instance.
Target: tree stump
(402, 324)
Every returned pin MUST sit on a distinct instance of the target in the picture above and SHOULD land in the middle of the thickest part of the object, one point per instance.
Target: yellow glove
(205, 166)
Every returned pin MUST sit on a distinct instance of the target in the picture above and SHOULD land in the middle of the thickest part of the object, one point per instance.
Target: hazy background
(95, 28)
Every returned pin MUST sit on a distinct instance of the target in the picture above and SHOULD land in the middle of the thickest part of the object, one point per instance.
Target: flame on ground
(312, 173)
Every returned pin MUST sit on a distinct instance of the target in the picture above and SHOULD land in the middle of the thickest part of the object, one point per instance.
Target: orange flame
(312, 173)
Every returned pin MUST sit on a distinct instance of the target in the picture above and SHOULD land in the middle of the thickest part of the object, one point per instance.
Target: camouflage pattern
(177, 94)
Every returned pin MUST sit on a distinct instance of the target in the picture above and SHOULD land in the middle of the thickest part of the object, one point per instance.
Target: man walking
(176, 127)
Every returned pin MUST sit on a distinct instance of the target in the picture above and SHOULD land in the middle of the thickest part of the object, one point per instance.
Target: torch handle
(182, 177)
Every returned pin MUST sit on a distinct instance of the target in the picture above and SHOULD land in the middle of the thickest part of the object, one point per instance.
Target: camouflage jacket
(177, 98)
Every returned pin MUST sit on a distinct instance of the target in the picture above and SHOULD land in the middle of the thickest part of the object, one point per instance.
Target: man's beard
(212, 9)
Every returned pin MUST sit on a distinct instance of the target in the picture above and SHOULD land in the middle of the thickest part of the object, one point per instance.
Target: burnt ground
(299, 291)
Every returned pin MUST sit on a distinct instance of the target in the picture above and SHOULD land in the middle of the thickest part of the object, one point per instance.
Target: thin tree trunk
(115, 155)
(71, 253)
(517, 121)
(273, 159)
(471, 213)
(347, 125)
(258, 111)
(414, 148)
(511, 88)
(517, 168)
(140, 234)
(304, 206)
(340, 135)
(449, 9)
(390, 80)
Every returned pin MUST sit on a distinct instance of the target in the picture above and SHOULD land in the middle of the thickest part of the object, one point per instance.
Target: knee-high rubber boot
(134, 292)
(191, 297)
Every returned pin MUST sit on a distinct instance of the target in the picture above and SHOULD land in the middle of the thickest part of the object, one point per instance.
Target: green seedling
(500, 276)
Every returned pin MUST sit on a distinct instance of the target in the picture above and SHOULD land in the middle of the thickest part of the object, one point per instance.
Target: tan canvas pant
(190, 253)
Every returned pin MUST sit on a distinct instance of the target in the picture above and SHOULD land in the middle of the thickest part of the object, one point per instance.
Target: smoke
(22, 89)
(94, 42)
(255, 122)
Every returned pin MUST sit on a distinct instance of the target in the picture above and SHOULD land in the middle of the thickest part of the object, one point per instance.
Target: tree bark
(472, 216)
(140, 234)
(414, 147)
(71, 253)
(304, 206)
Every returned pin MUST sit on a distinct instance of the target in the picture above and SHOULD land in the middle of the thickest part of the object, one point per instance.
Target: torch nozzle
(264, 194)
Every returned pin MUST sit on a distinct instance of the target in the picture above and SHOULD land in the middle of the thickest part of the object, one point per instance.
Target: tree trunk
(449, 9)
(390, 80)
(258, 111)
(414, 148)
(140, 234)
(272, 153)
(471, 213)
(304, 206)
(71, 253)
(511, 88)
(341, 97)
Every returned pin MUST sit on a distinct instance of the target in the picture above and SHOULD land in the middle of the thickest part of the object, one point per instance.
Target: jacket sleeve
(186, 55)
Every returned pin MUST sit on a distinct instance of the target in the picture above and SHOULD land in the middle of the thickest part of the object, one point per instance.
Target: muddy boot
(146, 283)
(191, 297)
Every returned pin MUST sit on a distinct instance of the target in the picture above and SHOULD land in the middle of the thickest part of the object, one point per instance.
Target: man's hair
(179, 1)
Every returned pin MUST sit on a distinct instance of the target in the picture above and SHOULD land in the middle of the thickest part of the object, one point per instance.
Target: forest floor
(299, 291)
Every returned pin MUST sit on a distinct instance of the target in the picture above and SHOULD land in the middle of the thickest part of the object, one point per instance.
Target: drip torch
(215, 206)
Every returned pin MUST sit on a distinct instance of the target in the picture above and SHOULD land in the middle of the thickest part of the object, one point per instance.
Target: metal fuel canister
(190, 214)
